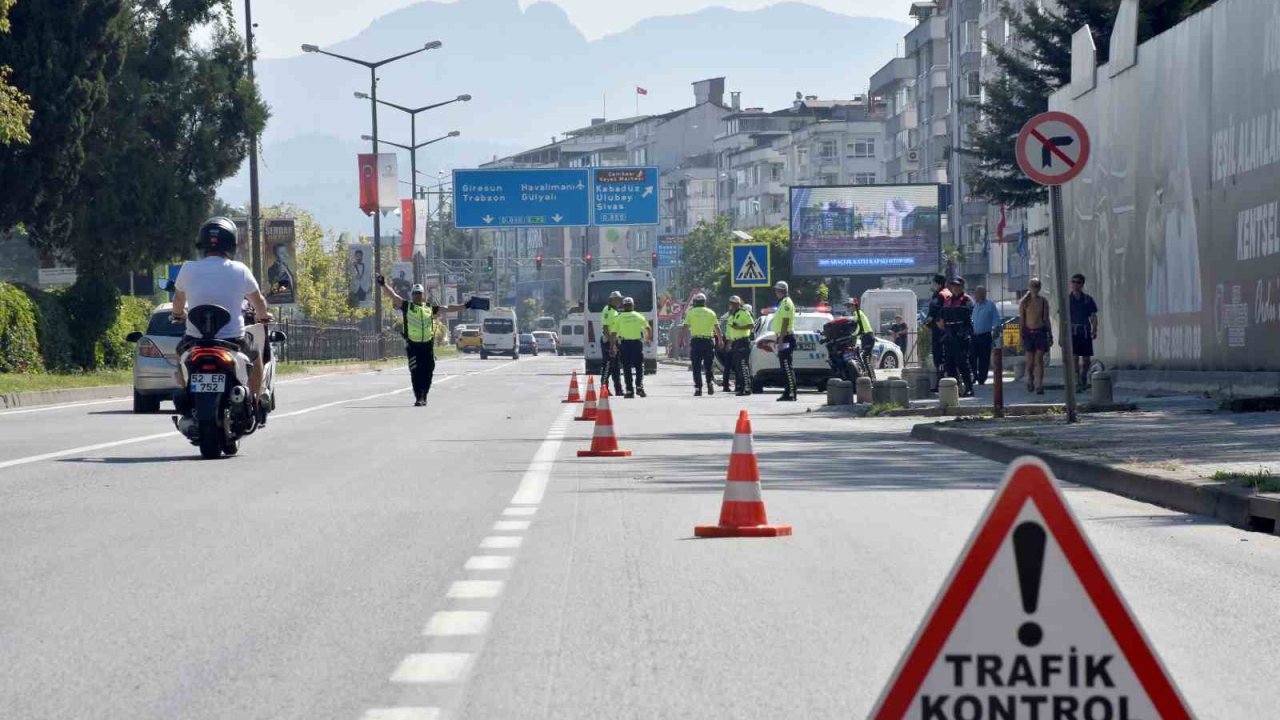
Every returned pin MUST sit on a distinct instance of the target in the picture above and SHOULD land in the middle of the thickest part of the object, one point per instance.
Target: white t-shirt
(217, 281)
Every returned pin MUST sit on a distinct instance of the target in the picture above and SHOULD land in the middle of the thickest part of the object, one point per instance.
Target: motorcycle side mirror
(133, 337)
(278, 336)
(169, 286)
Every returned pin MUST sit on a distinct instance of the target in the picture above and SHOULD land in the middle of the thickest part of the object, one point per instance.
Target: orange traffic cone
(589, 408)
(574, 397)
(742, 510)
(603, 442)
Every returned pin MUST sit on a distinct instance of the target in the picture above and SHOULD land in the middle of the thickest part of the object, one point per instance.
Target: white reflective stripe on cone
(742, 445)
(604, 430)
(742, 491)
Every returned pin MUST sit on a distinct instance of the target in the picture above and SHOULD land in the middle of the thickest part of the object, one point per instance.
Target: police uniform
(610, 366)
(702, 322)
(786, 344)
(867, 338)
(630, 327)
(957, 316)
(419, 336)
(937, 336)
(740, 346)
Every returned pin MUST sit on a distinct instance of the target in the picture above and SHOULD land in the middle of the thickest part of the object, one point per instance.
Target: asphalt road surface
(363, 558)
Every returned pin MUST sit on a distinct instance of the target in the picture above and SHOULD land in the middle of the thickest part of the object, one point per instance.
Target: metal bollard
(1102, 392)
(864, 389)
(880, 392)
(948, 393)
(839, 392)
(899, 393)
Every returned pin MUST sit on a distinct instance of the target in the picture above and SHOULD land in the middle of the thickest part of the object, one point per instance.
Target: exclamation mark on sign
(1028, 552)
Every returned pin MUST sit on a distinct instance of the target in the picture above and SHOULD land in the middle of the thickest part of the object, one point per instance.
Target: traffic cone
(603, 442)
(574, 397)
(742, 511)
(589, 408)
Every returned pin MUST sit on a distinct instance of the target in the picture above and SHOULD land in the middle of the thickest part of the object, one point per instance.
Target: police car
(810, 359)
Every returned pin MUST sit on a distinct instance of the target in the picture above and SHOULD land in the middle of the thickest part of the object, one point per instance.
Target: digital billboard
(865, 230)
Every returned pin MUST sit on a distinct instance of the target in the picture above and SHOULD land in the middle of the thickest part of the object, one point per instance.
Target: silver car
(155, 363)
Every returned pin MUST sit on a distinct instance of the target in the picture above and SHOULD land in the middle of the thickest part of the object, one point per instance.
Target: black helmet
(218, 235)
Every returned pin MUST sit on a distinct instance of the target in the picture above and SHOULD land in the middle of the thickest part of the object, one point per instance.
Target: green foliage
(15, 106)
(527, 313)
(53, 329)
(93, 306)
(133, 314)
(322, 279)
(19, 347)
(704, 262)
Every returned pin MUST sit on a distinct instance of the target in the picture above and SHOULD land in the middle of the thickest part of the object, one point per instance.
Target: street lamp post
(373, 105)
(413, 130)
(413, 148)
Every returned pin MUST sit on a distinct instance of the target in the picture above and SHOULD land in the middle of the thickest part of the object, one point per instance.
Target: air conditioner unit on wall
(913, 156)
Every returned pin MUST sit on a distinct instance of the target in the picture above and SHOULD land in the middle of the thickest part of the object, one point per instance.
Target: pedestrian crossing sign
(750, 265)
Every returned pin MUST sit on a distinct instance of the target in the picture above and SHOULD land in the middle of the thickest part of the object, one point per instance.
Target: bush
(53, 329)
(134, 313)
(19, 342)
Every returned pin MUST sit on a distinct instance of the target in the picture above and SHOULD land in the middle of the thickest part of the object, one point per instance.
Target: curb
(1236, 507)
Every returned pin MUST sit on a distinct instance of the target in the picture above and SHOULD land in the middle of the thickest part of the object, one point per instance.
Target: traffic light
(488, 264)
(537, 260)
(587, 259)
(654, 258)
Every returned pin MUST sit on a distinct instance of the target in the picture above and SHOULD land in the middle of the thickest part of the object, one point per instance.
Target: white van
(573, 331)
(498, 334)
(883, 305)
(635, 284)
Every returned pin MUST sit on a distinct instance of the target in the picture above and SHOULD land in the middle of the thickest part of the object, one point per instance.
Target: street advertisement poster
(360, 276)
(450, 294)
(388, 182)
(279, 249)
(401, 279)
(865, 230)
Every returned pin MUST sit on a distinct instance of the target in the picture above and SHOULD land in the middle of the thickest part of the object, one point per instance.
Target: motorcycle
(218, 408)
(845, 354)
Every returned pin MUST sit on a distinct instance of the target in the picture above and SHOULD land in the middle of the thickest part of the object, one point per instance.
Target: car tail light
(765, 345)
(148, 349)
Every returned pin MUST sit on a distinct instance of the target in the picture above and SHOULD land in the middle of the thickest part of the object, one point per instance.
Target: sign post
(1053, 148)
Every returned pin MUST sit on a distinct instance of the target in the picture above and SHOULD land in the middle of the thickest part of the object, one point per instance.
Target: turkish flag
(641, 91)
(368, 183)
(1000, 226)
(406, 229)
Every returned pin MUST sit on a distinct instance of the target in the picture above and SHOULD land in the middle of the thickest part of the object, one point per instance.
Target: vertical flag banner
(368, 183)
(360, 276)
(420, 220)
(407, 222)
(388, 179)
(280, 239)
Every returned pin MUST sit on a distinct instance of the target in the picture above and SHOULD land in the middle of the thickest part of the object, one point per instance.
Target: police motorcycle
(845, 352)
(217, 408)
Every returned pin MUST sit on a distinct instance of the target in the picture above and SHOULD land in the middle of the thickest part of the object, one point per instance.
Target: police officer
(419, 335)
(957, 319)
(865, 334)
(784, 321)
(610, 363)
(738, 331)
(632, 331)
(937, 332)
(704, 334)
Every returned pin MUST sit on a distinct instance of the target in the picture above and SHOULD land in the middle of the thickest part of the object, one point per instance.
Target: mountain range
(533, 76)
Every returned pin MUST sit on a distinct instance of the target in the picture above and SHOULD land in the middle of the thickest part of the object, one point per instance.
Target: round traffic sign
(1053, 148)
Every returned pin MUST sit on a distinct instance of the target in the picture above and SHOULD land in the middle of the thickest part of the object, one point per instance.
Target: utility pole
(255, 234)
(956, 217)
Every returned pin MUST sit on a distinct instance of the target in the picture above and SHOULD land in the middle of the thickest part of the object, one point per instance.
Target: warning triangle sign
(750, 269)
(1029, 625)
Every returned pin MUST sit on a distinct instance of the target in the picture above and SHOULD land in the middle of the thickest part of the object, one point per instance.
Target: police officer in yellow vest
(610, 363)
(704, 336)
(632, 331)
(738, 331)
(784, 326)
(419, 335)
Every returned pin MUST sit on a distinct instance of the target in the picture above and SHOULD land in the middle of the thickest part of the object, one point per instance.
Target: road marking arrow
(487, 219)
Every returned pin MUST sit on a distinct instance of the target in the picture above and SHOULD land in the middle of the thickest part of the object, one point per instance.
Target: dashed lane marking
(453, 623)
(511, 526)
(490, 562)
(432, 668)
(520, 511)
(501, 542)
(402, 713)
(475, 589)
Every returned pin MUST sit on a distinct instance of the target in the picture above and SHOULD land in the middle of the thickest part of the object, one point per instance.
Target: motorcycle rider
(218, 279)
(864, 334)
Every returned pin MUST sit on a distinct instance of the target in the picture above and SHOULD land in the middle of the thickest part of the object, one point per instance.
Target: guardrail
(310, 342)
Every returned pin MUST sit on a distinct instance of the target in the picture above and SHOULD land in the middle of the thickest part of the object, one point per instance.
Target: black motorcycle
(846, 355)
(218, 407)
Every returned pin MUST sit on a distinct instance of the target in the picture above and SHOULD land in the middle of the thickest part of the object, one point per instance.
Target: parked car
(572, 334)
(548, 341)
(470, 341)
(810, 358)
(528, 344)
(155, 363)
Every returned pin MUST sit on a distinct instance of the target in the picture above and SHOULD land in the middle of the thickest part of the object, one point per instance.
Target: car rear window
(161, 325)
(498, 325)
(470, 333)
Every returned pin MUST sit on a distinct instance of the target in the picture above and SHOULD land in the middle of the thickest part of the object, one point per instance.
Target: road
(363, 558)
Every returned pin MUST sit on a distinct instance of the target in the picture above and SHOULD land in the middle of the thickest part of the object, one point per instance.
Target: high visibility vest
(606, 319)
(630, 325)
(742, 317)
(419, 326)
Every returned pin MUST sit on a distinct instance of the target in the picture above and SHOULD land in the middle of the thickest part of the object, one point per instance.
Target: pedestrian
(986, 320)
(738, 332)
(419, 333)
(957, 319)
(1084, 326)
(610, 365)
(937, 333)
(784, 319)
(1037, 334)
(704, 334)
(632, 331)
(899, 332)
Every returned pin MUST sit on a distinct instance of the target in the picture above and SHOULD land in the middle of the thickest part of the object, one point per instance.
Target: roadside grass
(1016, 433)
(1261, 480)
(23, 382)
(881, 408)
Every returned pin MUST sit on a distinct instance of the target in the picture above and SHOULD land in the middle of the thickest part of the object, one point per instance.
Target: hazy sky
(283, 25)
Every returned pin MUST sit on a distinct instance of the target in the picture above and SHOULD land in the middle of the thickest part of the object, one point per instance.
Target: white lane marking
(520, 511)
(325, 406)
(490, 562)
(453, 623)
(432, 668)
(534, 483)
(475, 589)
(402, 713)
(511, 526)
(501, 542)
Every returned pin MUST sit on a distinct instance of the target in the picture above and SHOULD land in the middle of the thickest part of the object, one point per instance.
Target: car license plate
(208, 382)
(806, 345)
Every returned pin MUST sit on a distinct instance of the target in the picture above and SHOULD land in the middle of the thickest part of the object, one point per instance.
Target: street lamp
(373, 106)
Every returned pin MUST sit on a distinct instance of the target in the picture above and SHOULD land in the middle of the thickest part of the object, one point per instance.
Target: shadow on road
(132, 460)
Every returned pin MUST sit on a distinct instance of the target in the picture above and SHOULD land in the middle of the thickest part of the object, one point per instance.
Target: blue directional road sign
(625, 196)
(521, 198)
(750, 265)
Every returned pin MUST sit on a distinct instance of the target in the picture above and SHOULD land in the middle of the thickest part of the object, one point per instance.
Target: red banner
(368, 183)
(406, 229)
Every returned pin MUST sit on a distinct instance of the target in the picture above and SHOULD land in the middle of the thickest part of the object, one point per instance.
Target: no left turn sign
(1053, 148)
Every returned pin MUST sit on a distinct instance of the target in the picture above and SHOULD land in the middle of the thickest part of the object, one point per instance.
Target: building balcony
(905, 120)
(895, 71)
(940, 127)
(934, 28)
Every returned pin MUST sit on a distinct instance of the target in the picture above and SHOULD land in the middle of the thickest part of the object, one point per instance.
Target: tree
(1030, 71)
(15, 106)
(63, 55)
(529, 310)
(704, 260)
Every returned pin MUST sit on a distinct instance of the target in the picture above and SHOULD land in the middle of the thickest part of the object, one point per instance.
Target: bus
(636, 284)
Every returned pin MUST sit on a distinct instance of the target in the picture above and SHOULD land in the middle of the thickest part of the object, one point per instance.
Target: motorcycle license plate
(208, 382)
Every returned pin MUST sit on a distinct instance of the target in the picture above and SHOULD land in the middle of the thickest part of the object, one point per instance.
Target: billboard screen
(865, 230)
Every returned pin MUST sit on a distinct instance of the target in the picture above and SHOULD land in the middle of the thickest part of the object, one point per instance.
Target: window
(828, 179)
(864, 147)
(775, 204)
(982, 40)
(829, 150)
(864, 178)
(775, 172)
(973, 85)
